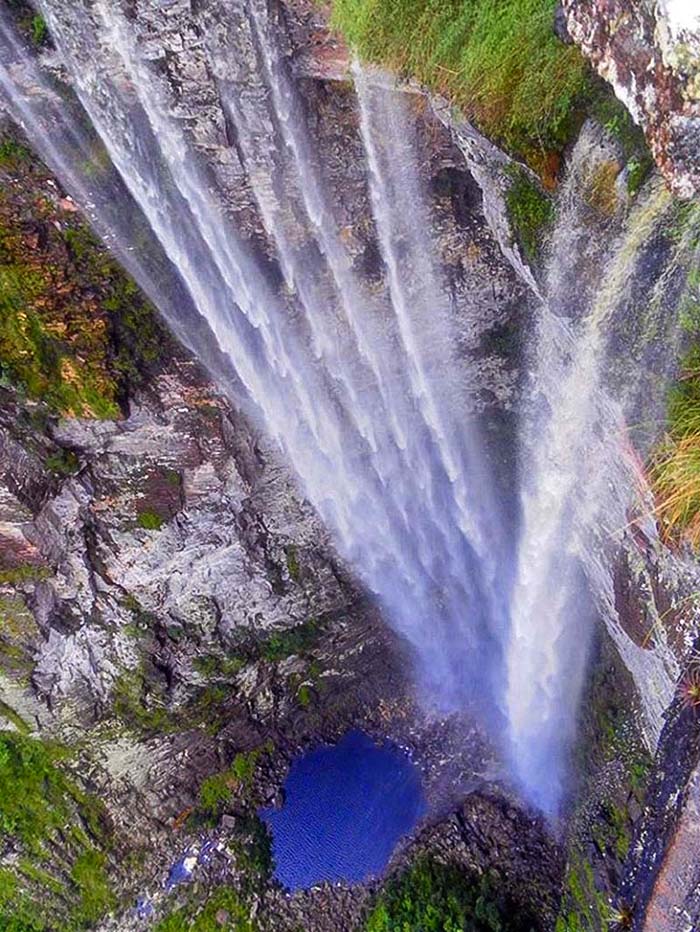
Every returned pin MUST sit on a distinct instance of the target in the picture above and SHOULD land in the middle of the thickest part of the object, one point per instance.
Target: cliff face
(651, 58)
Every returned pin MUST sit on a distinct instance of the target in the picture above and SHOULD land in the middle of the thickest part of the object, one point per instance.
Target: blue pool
(345, 809)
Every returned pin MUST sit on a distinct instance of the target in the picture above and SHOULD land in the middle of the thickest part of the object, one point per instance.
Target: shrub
(434, 897)
(40, 31)
(150, 520)
(296, 640)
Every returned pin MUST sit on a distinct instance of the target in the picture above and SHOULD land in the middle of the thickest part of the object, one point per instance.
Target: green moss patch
(530, 212)
(75, 331)
(223, 909)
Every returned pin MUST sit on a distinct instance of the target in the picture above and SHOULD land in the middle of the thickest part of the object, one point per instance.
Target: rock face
(652, 60)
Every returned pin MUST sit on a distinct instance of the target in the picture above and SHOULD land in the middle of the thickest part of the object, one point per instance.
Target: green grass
(96, 895)
(675, 467)
(433, 897)
(203, 918)
(12, 152)
(48, 816)
(33, 358)
(25, 572)
(33, 790)
(498, 60)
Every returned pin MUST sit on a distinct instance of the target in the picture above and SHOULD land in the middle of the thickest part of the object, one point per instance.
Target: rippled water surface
(345, 809)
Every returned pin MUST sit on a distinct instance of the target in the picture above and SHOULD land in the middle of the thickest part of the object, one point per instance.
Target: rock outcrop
(649, 52)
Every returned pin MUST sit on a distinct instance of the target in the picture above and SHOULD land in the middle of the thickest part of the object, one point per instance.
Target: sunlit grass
(675, 471)
(498, 60)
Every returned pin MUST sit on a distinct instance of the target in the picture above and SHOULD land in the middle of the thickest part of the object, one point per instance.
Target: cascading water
(360, 389)
(580, 475)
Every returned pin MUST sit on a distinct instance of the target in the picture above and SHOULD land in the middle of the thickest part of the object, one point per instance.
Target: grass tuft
(530, 212)
(498, 60)
(675, 468)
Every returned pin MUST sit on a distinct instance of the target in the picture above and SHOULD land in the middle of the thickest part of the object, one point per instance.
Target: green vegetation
(498, 60)
(32, 355)
(96, 896)
(675, 469)
(24, 573)
(10, 715)
(12, 152)
(150, 520)
(75, 332)
(17, 633)
(611, 831)
(32, 790)
(615, 117)
(63, 463)
(40, 31)
(141, 709)
(52, 820)
(586, 909)
(218, 790)
(253, 850)
(215, 667)
(224, 904)
(293, 567)
(294, 640)
(304, 696)
(434, 897)
(530, 211)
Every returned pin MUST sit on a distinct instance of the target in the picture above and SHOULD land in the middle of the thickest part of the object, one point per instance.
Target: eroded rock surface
(652, 60)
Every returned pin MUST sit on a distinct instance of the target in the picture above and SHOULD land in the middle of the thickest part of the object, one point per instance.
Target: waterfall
(580, 475)
(360, 387)
(359, 390)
